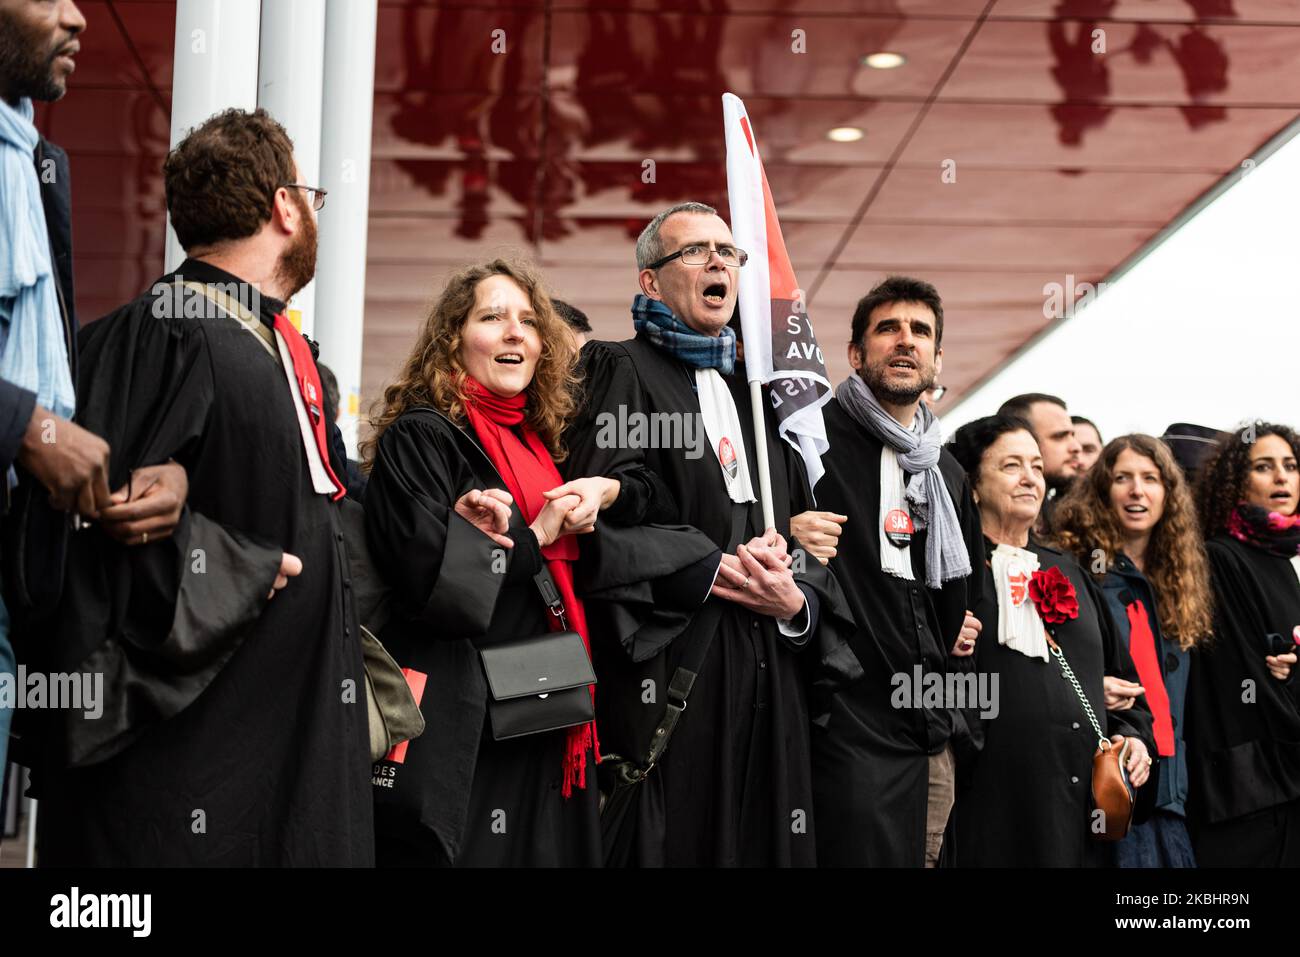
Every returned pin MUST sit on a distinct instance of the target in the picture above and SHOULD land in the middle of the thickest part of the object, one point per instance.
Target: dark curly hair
(1223, 478)
(1176, 565)
(221, 180)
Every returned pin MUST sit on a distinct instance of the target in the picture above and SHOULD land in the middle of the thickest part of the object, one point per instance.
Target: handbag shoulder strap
(234, 309)
(1102, 741)
(551, 595)
(683, 679)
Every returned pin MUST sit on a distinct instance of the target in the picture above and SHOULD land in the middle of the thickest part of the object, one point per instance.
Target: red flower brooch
(1054, 596)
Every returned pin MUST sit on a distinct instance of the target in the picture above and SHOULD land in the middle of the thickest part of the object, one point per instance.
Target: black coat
(216, 699)
(1024, 797)
(734, 786)
(870, 759)
(1243, 729)
(458, 591)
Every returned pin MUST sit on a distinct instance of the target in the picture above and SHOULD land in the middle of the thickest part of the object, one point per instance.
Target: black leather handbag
(539, 683)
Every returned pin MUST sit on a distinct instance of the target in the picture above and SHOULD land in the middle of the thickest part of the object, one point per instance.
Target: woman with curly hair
(464, 508)
(1244, 703)
(1130, 519)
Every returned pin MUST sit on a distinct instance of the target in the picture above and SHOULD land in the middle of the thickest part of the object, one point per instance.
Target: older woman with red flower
(1024, 787)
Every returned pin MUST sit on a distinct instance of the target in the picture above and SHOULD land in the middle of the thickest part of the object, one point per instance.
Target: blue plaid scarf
(656, 322)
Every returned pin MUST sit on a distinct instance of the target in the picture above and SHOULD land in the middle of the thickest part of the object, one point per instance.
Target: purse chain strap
(1102, 741)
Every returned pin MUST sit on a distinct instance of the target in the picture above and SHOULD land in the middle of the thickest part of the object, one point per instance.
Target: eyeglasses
(697, 255)
(317, 197)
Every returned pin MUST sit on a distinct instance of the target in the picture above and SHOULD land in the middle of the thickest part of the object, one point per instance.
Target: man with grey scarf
(908, 554)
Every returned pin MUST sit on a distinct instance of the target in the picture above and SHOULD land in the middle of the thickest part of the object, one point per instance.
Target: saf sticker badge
(898, 528)
(313, 400)
(1017, 584)
(727, 456)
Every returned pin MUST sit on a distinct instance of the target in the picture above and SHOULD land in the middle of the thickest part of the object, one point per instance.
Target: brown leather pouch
(1111, 792)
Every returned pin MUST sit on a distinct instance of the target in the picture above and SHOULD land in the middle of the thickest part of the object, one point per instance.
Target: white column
(289, 72)
(346, 109)
(214, 68)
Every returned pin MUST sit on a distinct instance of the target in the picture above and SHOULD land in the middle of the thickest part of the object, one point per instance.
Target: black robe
(870, 759)
(481, 802)
(234, 729)
(1024, 798)
(734, 787)
(1243, 730)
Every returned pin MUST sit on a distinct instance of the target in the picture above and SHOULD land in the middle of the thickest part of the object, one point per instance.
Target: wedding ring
(144, 538)
(746, 585)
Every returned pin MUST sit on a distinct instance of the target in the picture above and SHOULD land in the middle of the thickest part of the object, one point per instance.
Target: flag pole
(760, 450)
(768, 286)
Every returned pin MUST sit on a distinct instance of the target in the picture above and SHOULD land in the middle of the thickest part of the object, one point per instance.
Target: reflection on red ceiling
(1074, 131)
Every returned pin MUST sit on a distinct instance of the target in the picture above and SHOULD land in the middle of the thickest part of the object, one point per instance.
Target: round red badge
(898, 528)
(727, 456)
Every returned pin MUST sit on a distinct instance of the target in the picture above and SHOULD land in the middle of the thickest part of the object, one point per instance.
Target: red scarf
(528, 471)
(1142, 648)
(313, 394)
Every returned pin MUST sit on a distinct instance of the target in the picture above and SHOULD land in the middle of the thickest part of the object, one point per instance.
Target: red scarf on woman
(1146, 658)
(526, 466)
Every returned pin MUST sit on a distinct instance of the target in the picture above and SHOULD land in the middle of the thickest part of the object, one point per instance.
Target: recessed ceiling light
(845, 134)
(884, 61)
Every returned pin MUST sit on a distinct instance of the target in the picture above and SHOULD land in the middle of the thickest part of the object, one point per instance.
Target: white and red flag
(780, 348)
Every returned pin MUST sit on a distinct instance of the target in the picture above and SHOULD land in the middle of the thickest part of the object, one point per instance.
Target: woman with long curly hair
(464, 508)
(1244, 707)
(1130, 519)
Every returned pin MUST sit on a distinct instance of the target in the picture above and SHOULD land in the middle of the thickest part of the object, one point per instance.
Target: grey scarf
(945, 550)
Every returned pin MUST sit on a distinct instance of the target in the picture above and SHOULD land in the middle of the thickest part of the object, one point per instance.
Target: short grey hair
(649, 247)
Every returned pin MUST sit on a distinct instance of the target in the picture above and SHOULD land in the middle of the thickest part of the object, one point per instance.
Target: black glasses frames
(316, 197)
(697, 254)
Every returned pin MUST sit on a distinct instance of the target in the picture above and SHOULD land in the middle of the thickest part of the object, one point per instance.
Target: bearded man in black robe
(682, 566)
(234, 727)
(883, 767)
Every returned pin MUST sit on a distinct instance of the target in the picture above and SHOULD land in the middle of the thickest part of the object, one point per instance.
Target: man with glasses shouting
(692, 600)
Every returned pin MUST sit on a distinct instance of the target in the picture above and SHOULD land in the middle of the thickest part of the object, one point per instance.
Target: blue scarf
(33, 353)
(654, 320)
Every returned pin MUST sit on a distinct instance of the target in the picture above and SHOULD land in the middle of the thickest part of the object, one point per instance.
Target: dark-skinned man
(47, 460)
